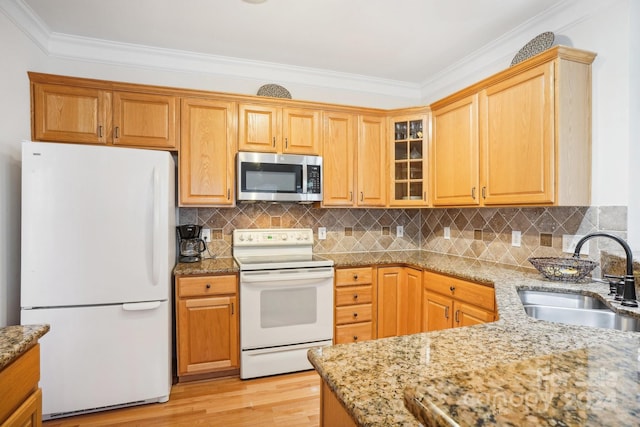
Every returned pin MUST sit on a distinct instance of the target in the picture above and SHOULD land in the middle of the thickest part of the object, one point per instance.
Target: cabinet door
(145, 120)
(207, 334)
(409, 302)
(389, 280)
(71, 114)
(467, 315)
(372, 177)
(338, 159)
(258, 128)
(455, 163)
(517, 139)
(408, 161)
(437, 312)
(301, 131)
(207, 152)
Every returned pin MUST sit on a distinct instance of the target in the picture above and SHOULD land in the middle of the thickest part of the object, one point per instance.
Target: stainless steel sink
(575, 309)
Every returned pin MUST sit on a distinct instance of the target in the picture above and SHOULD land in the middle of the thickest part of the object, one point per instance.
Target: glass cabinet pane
(401, 150)
(401, 131)
(408, 162)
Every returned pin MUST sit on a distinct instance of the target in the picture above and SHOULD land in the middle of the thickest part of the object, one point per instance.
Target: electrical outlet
(570, 241)
(205, 233)
(447, 233)
(322, 233)
(399, 231)
(516, 238)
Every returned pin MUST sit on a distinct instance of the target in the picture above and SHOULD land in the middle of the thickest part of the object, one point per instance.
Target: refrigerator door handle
(141, 306)
(155, 239)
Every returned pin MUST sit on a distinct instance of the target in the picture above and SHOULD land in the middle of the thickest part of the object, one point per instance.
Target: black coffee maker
(190, 243)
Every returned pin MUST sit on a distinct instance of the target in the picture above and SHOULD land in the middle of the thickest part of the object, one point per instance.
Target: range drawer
(206, 285)
(354, 276)
(354, 295)
(354, 313)
(354, 333)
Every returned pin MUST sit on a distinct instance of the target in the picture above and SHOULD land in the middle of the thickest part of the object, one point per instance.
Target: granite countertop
(15, 340)
(517, 370)
(206, 266)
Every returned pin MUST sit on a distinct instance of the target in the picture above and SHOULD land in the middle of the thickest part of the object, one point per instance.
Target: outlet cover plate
(322, 233)
(516, 238)
(447, 233)
(399, 231)
(205, 234)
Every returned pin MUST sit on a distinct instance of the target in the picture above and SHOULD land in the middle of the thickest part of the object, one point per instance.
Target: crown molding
(131, 55)
(498, 54)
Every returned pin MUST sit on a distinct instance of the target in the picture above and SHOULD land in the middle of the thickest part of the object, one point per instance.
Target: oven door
(283, 307)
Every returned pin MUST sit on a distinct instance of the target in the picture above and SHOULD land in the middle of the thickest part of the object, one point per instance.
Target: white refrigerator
(98, 248)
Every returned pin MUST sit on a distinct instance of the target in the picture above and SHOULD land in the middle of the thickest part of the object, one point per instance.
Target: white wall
(19, 54)
(634, 126)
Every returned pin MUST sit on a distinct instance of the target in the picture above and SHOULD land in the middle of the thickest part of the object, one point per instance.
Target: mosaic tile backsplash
(482, 233)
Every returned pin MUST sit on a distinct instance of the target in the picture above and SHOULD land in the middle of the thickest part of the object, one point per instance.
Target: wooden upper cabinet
(338, 149)
(145, 120)
(70, 114)
(520, 137)
(78, 112)
(371, 161)
(455, 146)
(517, 139)
(408, 156)
(207, 152)
(273, 129)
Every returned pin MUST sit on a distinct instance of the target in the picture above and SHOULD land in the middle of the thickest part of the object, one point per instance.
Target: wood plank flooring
(283, 401)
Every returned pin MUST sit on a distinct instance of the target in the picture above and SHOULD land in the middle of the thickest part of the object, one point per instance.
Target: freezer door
(98, 225)
(95, 357)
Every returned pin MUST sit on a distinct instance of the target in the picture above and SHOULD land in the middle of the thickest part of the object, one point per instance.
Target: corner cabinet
(207, 152)
(87, 111)
(448, 302)
(520, 137)
(399, 297)
(271, 129)
(408, 161)
(207, 326)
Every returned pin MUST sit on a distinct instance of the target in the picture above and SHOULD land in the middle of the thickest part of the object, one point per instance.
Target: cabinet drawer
(354, 295)
(353, 276)
(206, 285)
(354, 333)
(473, 293)
(353, 313)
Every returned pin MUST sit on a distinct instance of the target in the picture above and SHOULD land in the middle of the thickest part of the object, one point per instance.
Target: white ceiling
(400, 40)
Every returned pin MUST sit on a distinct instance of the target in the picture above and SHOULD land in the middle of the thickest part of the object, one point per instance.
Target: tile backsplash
(481, 233)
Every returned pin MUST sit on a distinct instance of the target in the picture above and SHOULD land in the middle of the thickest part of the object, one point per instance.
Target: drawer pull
(208, 286)
(355, 296)
(446, 312)
(355, 276)
(456, 316)
(355, 338)
(355, 315)
(452, 288)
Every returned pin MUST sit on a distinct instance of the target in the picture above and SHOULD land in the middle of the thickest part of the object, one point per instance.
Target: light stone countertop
(15, 340)
(517, 370)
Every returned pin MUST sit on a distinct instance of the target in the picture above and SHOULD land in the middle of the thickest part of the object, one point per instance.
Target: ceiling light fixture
(254, 1)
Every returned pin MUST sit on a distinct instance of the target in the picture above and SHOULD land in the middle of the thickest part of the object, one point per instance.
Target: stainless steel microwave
(279, 177)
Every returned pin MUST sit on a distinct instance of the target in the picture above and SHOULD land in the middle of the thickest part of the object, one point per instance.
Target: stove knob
(298, 236)
(241, 237)
(250, 237)
(283, 236)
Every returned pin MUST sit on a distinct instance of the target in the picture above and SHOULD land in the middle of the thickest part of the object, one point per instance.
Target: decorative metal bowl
(563, 269)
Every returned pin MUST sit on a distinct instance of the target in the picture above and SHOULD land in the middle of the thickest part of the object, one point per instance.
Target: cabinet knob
(452, 288)
(208, 286)
(355, 277)
(355, 338)
(355, 315)
(355, 296)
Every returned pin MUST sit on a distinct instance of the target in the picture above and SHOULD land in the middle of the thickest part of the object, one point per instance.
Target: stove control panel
(273, 237)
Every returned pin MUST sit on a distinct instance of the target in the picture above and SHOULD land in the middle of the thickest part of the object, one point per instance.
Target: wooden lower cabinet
(448, 302)
(399, 297)
(355, 305)
(332, 413)
(207, 326)
(20, 396)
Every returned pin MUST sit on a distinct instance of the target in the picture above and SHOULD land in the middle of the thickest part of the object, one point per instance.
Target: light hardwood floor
(283, 401)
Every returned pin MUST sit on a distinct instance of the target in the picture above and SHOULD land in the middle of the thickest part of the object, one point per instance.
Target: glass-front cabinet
(409, 160)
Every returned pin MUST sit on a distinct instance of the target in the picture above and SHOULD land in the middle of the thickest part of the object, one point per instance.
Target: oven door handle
(301, 277)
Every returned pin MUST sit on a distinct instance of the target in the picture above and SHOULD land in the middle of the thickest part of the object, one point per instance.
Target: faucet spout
(629, 294)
